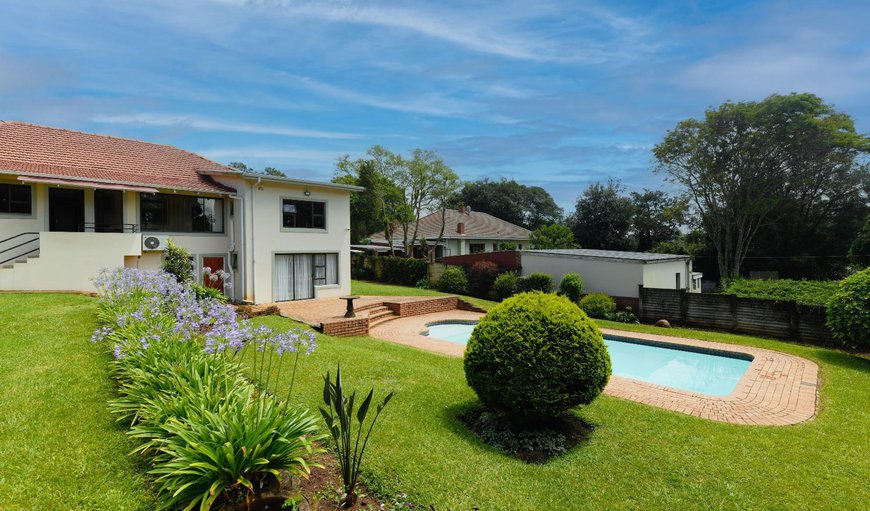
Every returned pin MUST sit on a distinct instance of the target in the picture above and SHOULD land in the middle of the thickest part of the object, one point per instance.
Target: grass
(809, 292)
(59, 446)
(639, 457)
(364, 287)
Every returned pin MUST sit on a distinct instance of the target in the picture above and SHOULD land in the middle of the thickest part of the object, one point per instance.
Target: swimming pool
(686, 369)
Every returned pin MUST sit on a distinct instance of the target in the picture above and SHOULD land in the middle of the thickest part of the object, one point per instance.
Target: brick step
(368, 307)
(377, 314)
(381, 319)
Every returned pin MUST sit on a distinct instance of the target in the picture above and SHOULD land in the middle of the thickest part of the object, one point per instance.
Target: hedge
(404, 271)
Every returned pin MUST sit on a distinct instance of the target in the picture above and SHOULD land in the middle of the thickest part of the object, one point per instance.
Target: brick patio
(777, 389)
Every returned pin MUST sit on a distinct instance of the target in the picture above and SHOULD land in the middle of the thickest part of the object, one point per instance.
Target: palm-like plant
(339, 415)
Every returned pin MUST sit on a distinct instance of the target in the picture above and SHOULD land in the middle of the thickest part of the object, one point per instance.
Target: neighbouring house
(72, 203)
(465, 232)
(616, 273)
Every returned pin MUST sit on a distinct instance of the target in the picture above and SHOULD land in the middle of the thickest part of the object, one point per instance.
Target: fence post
(734, 302)
(793, 321)
(684, 307)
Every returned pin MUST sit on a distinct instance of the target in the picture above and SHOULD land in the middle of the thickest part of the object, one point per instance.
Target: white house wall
(602, 276)
(663, 275)
(263, 210)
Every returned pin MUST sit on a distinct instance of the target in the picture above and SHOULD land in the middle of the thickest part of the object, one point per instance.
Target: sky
(558, 94)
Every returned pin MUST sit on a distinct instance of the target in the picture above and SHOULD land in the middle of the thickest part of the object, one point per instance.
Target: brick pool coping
(776, 390)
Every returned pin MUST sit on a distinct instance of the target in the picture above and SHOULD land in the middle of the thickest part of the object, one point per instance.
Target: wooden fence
(783, 320)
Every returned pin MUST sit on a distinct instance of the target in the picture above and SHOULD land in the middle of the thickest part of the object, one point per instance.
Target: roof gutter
(116, 182)
(283, 180)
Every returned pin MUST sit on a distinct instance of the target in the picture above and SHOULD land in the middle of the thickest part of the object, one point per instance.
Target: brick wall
(416, 308)
(346, 327)
(506, 260)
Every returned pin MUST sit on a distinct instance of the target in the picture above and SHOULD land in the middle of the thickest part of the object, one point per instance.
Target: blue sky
(556, 94)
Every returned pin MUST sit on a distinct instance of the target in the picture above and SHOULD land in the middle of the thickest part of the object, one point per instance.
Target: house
(464, 232)
(72, 203)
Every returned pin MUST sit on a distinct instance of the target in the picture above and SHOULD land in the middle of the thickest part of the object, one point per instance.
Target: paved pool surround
(776, 390)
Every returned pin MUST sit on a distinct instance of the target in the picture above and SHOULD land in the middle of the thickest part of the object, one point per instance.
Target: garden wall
(506, 260)
(770, 318)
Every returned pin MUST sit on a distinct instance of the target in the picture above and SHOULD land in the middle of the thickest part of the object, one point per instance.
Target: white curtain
(332, 268)
(283, 277)
(303, 277)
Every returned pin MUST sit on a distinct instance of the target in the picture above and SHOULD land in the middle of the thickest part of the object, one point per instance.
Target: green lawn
(60, 450)
(59, 446)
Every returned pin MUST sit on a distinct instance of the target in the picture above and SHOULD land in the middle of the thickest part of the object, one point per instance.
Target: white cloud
(272, 154)
(195, 122)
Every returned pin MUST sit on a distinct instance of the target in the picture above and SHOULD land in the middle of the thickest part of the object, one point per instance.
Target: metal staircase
(18, 249)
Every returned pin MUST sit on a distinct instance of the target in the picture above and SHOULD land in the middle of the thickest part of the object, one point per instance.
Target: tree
(747, 165)
(603, 218)
(240, 166)
(272, 171)
(527, 206)
(859, 251)
(420, 180)
(378, 206)
(657, 218)
(552, 236)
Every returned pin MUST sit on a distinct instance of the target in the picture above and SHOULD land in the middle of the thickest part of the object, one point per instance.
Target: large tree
(747, 165)
(657, 218)
(380, 206)
(602, 218)
(552, 236)
(527, 206)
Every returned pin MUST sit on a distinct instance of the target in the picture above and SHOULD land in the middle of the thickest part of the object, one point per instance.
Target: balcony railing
(102, 227)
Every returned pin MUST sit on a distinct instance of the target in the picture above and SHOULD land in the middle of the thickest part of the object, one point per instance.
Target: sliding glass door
(297, 274)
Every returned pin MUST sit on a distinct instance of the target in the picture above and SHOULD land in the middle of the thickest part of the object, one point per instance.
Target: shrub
(809, 292)
(571, 287)
(203, 292)
(404, 271)
(626, 316)
(482, 275)
(536, 355)
(454, 280)
(423, 284)
(505, 285)
(849, 311)
(178, 262)
(598, 305)
(542, 282)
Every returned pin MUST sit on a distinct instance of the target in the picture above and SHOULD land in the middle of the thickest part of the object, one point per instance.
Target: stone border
(777, 389)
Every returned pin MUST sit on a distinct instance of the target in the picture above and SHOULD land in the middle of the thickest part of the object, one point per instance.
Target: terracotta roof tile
(477, 225)
(42, 150)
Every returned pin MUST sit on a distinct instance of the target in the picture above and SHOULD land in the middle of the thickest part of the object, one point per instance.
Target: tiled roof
(477, 225)
(45, 151)
(588, 253)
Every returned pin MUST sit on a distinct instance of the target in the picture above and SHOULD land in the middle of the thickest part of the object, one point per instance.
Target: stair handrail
(36, 239)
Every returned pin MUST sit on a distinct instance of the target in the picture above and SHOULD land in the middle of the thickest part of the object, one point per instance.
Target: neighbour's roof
(477, 225)
(587, 253)
(33, 150)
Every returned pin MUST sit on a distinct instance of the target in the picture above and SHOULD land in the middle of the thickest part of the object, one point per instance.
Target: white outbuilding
(616, 273)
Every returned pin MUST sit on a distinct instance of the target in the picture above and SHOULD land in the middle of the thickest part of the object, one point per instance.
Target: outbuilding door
(294, 277)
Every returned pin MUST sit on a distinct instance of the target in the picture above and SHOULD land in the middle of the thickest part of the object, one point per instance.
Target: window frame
(167, 213)
(31, 201)
(318, 230)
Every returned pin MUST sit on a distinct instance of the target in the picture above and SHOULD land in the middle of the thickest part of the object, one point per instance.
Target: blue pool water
(705, 373)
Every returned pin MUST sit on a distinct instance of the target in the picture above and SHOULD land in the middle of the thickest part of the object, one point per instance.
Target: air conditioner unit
(154, 243)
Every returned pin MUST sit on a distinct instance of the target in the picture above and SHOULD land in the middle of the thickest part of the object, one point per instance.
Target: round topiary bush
(454, 280)
(571, 287)
(848, 314)
(505, 285)
(536, 355)
(598, 305)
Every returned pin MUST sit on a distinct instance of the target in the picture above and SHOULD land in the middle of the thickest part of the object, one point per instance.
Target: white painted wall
(610, 277)
(69, 260)
(265, 236)
(663, 275)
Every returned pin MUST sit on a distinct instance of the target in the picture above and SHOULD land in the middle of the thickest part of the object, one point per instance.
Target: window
(325, 269)
(15, 199)
(303, 214)
(162, 212)
(476, 248)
